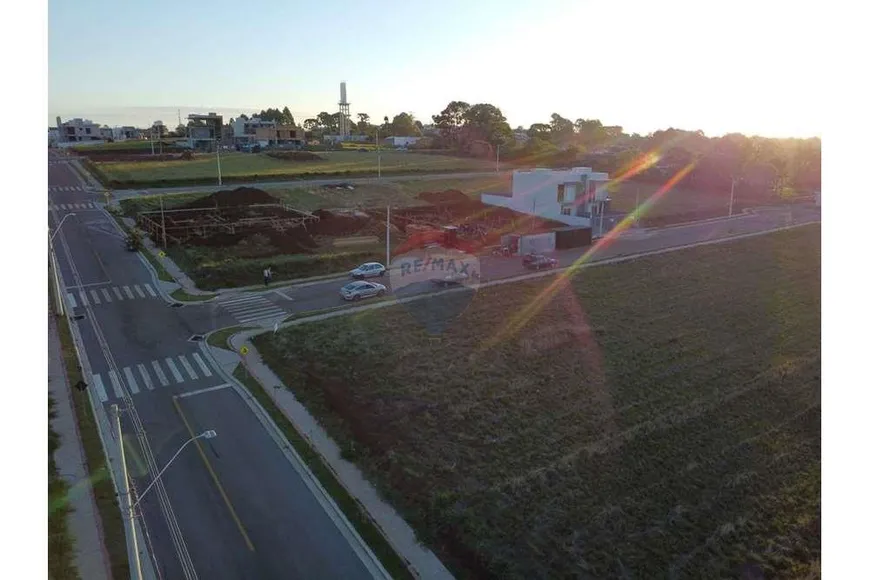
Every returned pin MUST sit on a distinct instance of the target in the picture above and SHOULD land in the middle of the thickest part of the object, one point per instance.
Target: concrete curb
(362, 550)
(420, 561)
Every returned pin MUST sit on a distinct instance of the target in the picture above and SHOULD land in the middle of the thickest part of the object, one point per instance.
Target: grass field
(253, 167)
(658, 418)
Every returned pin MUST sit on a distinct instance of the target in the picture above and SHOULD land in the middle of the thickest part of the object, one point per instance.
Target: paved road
(316, 296)
(128, 193)
(242, 508)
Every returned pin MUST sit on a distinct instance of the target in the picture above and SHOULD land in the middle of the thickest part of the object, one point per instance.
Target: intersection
(239, 507)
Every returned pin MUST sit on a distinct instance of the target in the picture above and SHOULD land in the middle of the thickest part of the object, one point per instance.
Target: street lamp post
(378, 149)
(54, 267)
(133, 540)
(210, 434)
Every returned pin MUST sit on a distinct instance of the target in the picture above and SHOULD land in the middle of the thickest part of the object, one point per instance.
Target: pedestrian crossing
(104, 295)
(59, 188)
(71, 206)
(252, 307)
(144, 377)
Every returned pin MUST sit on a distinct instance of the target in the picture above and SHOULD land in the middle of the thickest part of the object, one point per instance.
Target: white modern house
(401, 141)
(570, 196)
(245, 130)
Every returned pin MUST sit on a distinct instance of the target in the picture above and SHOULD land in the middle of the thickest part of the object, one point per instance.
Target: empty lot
(653, 418)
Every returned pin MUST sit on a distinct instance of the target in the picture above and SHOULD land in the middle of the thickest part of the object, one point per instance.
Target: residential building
(570, 196)
(280, 136)
(126, 133)
(401, 141)
(245, 130)
(106, 133)
(345, 138)
(53, 136)
(204, 132)
(76, 130)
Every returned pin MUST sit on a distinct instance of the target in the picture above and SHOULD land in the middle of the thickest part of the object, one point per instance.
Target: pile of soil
(449, 196)
(239, 196)
(337, 224)
(295, 156)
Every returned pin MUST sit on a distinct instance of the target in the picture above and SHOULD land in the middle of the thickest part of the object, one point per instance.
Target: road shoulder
(90, 555)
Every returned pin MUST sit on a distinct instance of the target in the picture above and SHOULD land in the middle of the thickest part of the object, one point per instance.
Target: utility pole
(388, 236)
(497, 151)
(378, 149)
(163, 221)
(218, 148)
(731, 203)
(136, 572)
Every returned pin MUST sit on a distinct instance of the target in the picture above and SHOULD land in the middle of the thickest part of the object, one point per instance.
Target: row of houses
(84, 130)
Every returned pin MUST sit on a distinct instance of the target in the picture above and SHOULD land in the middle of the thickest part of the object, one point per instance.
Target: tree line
(759, 165)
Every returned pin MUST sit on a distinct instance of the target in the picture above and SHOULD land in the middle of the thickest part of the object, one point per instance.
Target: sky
(739, 66)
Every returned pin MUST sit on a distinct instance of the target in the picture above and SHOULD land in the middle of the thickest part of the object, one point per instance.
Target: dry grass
(659, 415)
(262, 166)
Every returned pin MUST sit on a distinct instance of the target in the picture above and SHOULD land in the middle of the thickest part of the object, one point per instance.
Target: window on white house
(566, 210)
(560, 192)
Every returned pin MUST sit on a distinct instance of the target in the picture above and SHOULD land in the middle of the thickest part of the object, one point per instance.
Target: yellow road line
(214, 476)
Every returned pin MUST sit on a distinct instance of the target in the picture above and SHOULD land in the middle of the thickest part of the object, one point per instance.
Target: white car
(361, 289)
(368, 270)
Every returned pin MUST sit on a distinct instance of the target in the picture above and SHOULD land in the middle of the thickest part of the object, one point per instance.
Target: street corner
(423, 270)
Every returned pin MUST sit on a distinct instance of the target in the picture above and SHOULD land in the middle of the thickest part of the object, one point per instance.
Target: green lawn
(245, 166)
(649, 418)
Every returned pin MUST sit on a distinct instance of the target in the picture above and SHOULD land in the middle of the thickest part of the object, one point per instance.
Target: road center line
(214, 476)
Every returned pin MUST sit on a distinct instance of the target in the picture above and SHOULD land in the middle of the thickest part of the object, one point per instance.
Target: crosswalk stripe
(244, 300)
(83, 297)
(72, 299)
(139, 291)
(131, 381)
(117, 292)
(101, 388)
(258, 308)
(128, 293)
(187, 367)
(159, 372)
(106, 295)
(201, 364)
(150, 290)
(146, 378)
(116, 385)
(96, 297)
(174, 370)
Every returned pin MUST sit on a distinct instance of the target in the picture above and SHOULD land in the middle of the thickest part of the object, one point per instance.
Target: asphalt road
(242, 508)
(320, 295)
(128, 193)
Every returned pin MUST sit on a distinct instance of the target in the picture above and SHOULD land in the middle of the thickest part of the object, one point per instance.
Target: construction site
(249, 222)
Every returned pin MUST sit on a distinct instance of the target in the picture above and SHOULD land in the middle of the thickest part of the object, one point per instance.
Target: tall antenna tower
(343, 112)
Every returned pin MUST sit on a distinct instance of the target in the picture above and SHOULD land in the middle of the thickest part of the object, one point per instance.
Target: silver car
(368, 270)
(361, 289)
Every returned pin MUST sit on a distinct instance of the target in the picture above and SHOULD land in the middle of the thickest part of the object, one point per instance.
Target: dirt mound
(295, 156)
(449, 196)
(232, 198)
(337, 224)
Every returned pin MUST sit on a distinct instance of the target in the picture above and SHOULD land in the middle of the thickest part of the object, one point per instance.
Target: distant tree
(363, 121)
(561, 129)
(310, 124)
(287, 117)
(539, 131)
(486, 122)
(244, 117)
(403, 125)
(181, 131)
(450, 121)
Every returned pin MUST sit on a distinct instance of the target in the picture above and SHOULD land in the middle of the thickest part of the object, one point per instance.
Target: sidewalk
(84, 523)
(398, 533)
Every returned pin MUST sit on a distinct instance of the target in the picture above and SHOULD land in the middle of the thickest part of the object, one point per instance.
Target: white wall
(547, 211)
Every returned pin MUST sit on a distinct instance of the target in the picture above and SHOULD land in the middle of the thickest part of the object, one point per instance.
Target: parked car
(361, 289)
(538, 261)
(368, 270)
